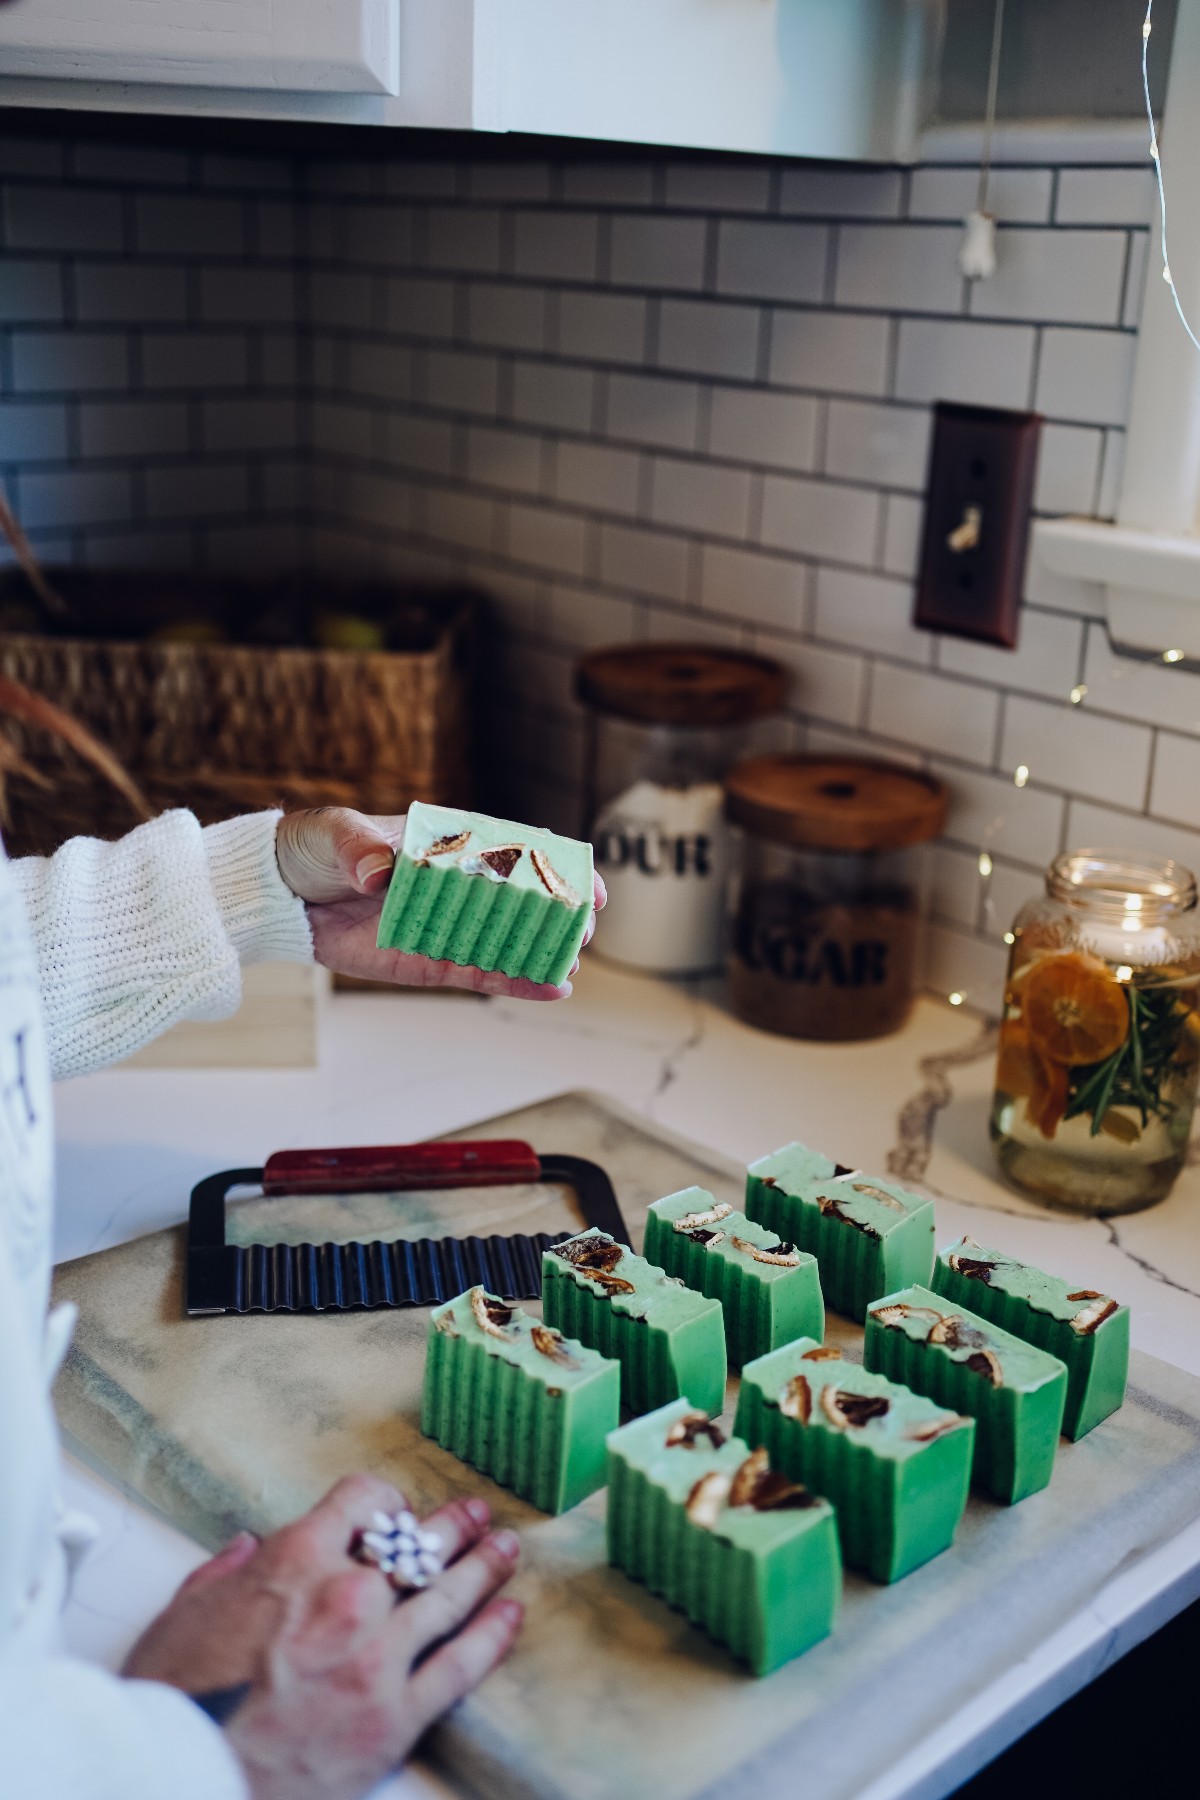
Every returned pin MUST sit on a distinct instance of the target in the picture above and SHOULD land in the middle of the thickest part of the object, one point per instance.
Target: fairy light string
(1156, 159)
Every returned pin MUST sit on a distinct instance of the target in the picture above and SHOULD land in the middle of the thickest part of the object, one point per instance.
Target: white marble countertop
(403, 1067)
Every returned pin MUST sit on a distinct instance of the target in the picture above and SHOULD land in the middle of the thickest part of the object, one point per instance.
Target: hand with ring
(340, 1638)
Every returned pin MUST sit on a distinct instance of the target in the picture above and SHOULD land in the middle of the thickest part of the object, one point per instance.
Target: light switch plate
(979, 497)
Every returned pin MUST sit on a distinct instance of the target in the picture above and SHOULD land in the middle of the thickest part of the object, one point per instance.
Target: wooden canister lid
(680, 684)
(835, 802)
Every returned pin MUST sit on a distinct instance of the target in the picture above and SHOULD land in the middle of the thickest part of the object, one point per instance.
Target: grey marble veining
(226, 1422)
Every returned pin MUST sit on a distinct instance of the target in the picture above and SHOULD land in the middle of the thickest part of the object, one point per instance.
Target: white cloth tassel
(977, 258)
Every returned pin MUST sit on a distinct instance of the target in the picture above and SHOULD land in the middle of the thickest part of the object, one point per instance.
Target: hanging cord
(989, 116)
(1162, 192)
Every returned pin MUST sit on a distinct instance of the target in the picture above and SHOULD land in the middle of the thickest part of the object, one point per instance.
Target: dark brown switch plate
(978, 500)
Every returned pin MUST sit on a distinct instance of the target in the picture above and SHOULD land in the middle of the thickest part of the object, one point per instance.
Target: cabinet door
(339, 46)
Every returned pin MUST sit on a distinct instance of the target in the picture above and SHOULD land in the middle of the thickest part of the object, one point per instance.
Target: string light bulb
(1020, 775)
(1010, 937)
(1172, 656)
(1077, 693)
(956, 999)
(1156, 159)
(985, 864)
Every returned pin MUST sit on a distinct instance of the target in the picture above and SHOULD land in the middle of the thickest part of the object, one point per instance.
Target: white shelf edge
(1151, 579)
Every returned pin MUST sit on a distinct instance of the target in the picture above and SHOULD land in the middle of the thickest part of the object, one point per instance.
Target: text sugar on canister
(828, 900)
(664, 724)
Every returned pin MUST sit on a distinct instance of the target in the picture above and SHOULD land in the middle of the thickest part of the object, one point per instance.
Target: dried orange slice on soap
(1074, 1008)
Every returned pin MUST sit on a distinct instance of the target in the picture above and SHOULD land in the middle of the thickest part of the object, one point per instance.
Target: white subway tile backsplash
(974, 364)
(1138, 690)
(1135, 278)
(597, 476)
(657, 251)
(834, 352)
(1014, 196)
(909, 268)
(32, 431)
(31, 291)
(887, 446)
(601, 327)
(437, 371)
(772, 259)
(1104, 197)
(830, 193)
(708, 337)
(957, 963)
(933, 712)
(757, 425)
(556, 246)
(70, 219)
(820, 518)
(140, 293)
(67, 361)
(499, 314)
(1068, 469)
(903, 522)
(726, 186)
(1046, 660)
(1091, 826)
(872, 612)
(1005, 892)
(134, 428)
(189, 225)
(1067, 748)
(195, 360)
(497, 457)
(1175, 788)
(553, 394)
(461, 381)
(644, 562)
(989, 812)
(465, 238)
(73, 497)
(1084, 376)
(653, 410)
(753, 587)
(546, 539)
(1070, 276)
(700, 497)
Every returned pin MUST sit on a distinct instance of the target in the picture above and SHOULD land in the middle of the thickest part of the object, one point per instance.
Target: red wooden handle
(377, 1167)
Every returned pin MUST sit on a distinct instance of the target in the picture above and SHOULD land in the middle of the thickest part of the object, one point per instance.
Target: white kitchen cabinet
(835, 78)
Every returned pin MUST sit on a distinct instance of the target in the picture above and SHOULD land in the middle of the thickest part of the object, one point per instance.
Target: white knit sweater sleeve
(132, 937)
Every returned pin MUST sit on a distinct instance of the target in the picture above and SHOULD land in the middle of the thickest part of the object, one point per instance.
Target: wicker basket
(222, 727)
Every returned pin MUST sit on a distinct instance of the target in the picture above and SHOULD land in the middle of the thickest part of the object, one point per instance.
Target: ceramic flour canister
(664, 724)
(829, 897)
(1100, 1043)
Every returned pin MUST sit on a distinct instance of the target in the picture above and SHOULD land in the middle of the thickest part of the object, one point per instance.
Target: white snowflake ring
(400, 1547)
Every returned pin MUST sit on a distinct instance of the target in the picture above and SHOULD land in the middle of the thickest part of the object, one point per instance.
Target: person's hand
(342, 1677)
(340, 862)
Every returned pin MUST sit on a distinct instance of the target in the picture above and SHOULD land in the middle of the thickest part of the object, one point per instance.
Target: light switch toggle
(965, 535)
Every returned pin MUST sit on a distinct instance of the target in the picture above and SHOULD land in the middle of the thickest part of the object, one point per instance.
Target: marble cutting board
(230, 1421)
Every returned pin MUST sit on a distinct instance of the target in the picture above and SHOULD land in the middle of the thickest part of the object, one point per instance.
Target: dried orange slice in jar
(1074, 1008)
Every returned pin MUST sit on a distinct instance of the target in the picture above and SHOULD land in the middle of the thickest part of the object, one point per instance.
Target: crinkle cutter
(224, 1278)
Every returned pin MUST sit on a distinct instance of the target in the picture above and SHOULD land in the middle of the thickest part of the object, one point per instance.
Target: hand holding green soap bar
(769, 1291)
(896, 1466)
(669, 1341)
(1014, 1391)
(867, 1235)
(488, 894)
(1087, 1331)
(518, 1400)
(747, 1554)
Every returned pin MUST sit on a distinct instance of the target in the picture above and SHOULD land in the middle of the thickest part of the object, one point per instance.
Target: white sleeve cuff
(265, 921)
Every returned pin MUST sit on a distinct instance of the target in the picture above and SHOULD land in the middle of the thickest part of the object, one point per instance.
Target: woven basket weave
(225, 727)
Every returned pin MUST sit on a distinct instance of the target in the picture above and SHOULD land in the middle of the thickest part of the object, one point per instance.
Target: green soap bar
(741, 1550)
(669, 1341)
(519, 1401)
(1087, 1331)
(896, 1466)
(1014, 1391)
(867, 1235)
(765, 1303)
(488, 893)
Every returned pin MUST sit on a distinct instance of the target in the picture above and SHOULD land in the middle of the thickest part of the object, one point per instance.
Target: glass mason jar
(829, 896)
(1100, 1043)
(664, 723)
